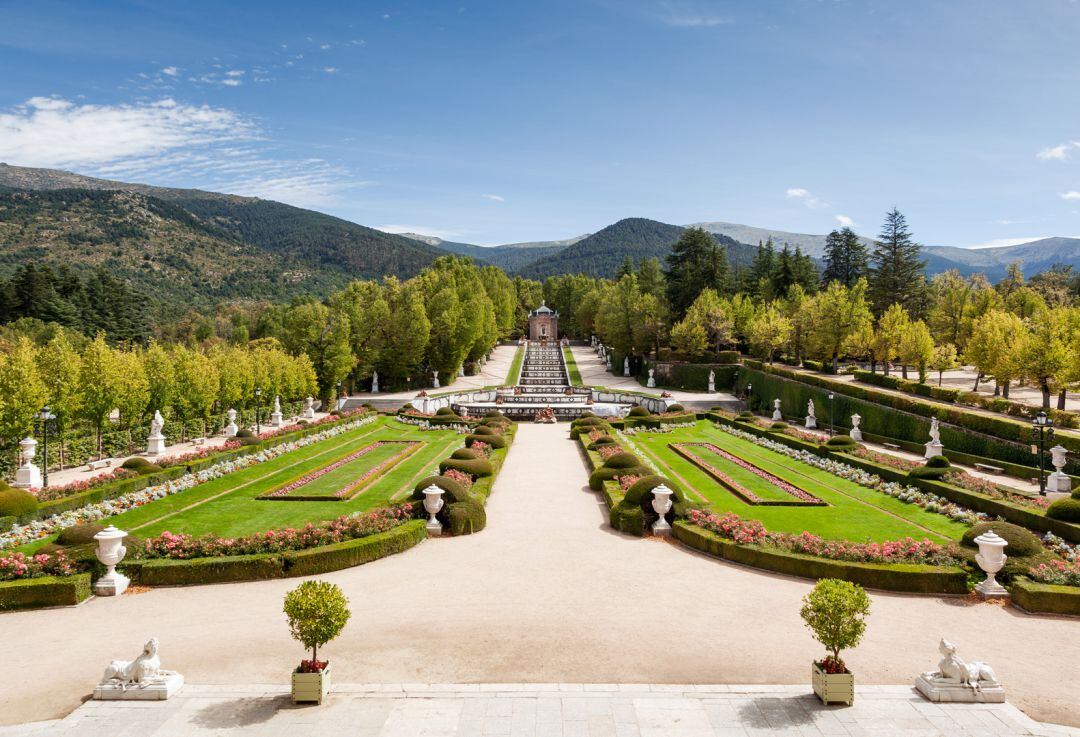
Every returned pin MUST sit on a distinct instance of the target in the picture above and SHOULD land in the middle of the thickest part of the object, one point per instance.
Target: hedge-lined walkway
(594, 373)
(547, 593)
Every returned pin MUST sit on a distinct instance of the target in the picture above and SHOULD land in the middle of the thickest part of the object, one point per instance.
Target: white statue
(461, 371)
(27, 475)
(155, 442)
(1059, 483)
(776, 414)
(811, 417)
(712, 381)
(652, 381)
(435, 379)
(957, 680)
(934, 447)
(374, 382)
(231, 429)
(856, 433)
(139, 679)
(626, 366)
(309, 408)
(275, 417)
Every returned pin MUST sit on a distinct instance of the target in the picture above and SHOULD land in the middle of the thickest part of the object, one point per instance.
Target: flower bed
(799, 496)
(465, 479)
(15, 566)
(1060, 572)
(288, 492)
(347, 527)
(965, 480)
(751, 532)
(37, 529)
(907, 494)
(884, 459)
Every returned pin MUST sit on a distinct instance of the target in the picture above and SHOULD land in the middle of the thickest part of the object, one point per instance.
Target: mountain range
(187, 246)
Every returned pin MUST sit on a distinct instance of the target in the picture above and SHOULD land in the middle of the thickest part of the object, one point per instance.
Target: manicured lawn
(514, 373)
(341, 479)
(228, 507)
(854, 513)
(747, 479)
(571, 367)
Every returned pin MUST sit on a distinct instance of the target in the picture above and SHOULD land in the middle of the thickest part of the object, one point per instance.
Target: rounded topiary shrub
(640, 493)
(600, 441)
(136, 463)
(495, 441)
(79, 534)
(747, 415)
(928, 472)
(778, 426)
(938, 462)
(494, 413)
(16, 502)
(623, 460)
(484, 430)
(495, 422)
(478, 467)
(1022, 542)
(444, 412)
(639, 412)
(466, 517)
(452, 490)
(1066, 510)
(586, 422)
(676, 408)
(465, 454)
(587, 415)
(240, 434)
(602, 474)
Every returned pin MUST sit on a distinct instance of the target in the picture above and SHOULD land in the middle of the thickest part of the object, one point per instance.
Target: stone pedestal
(309, 409)
(651, 384)
(155, 445)
(111, 584)
(231, 429)
(933, 450)
(991, 589)
(811, 422)
(934, 690)
(1058, 482)
(776, 414)
(158, 689)
(28, 475)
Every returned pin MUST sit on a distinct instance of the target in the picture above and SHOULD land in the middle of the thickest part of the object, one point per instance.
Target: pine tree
(696, 262)
(897, 274)
(845, 257)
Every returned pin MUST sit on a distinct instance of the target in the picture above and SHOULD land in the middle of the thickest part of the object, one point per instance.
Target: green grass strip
(571, 367)
(514, 375)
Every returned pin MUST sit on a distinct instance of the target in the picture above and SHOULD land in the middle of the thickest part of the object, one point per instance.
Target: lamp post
(258, 398)
(1042, 431)
(749, 394)
(831, 430)
(45, 416)
(339, 403)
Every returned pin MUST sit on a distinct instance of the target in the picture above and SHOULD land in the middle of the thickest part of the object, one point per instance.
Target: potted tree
(317, 612)
(835, 611)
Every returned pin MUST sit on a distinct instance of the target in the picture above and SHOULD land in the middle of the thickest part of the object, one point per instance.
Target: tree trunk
(1005, 390)
(1061, 400)
(978, 375)
(903, 370)
(939, 375)
(99, 449)
(1045, 389)
(885, 366)
(997, 387)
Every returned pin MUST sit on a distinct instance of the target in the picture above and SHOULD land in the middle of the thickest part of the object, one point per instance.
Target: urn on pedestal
(661, 504)
(856, 433)
(651, 384)
(276, 418)
(28, 475)
(776, 414)
(231, 429)
(433, 504)
(110, 551)
(991, 558)
(1058, 484)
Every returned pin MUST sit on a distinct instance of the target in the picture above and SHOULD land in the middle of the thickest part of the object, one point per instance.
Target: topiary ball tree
(317, 612)
(938, 462)
(1022, 542)
(16, 502)
(676, 408)
(639, 412)
(444, 411)
(622, 460)
(1066, 510)
(835, 611)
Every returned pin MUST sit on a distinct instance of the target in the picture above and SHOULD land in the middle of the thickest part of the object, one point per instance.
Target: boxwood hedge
(46, 591)
(1045, 598)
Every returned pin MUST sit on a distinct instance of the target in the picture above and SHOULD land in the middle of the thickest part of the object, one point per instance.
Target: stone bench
(198, 441)
(891, 446)
(98, 465)
(989, 469)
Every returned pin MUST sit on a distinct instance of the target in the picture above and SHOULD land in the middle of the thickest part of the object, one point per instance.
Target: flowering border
(22, 534)
(287, 493)
(800, 497)
(907, 494)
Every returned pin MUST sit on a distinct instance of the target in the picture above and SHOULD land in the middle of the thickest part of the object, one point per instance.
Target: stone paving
(540, 710)
(594, 373)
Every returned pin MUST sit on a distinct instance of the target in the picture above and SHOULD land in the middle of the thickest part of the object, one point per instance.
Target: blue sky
(495, 122)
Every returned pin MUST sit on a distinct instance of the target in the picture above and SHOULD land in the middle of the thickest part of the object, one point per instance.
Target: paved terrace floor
(594, 372)
(541, 710)
(547, 593)
(494, 373)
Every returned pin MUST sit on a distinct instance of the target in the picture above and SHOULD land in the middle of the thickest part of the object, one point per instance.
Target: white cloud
(1058, 153)
(231, 82)
(166, 143)
(1070, 195)
(324, 47)
(803, 195)
(695, 21)
(494, 197)
(171, 71)
(331, 70)
(845, 221)
(235, 73)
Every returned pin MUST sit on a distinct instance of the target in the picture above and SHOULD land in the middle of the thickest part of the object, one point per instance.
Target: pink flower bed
(803, 435)
(19, 565)
(459, 476)
(606, 451)
(908, 550)
(75, 487)
(625, 482)
(309, 477)
(482, 448)
(347, 527)
(965, 480)
(749, 496)
(1057, 572)
(884, 459)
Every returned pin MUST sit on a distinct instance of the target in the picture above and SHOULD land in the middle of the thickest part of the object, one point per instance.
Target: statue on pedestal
(139, 679)
(712, 381)
(155, 442)
(435, 380)
(957, 680)
(231, 429)
(374, 382)
(276, 418)
(626, 366)
(811, 416)
(934, 447)
(652, 381)
(776, 415)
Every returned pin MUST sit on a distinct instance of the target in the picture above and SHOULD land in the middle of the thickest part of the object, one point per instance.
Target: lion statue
(953, 669)
(138, 672)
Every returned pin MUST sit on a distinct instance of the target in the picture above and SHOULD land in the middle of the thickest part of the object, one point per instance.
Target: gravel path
(547, 593)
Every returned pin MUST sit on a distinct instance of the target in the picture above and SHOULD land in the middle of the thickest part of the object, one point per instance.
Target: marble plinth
(158, 689)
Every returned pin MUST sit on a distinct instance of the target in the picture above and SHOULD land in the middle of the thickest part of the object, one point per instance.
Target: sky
(497, 122)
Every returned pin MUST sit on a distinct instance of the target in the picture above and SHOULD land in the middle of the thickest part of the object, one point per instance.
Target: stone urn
(28, 475)
(991, 558)
(110, 551)
(433, 504)
(661, 504)
(1058, 484)
(777, 415)
(856, 433)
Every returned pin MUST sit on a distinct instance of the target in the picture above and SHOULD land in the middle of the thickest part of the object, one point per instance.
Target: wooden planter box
(833, 688)
(310, 687)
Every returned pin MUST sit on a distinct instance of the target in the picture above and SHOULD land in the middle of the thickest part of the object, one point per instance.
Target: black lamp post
(339, 395)
(1042, 432)
(44, 417)
(831, 431)
(749, 394)
(258, 398)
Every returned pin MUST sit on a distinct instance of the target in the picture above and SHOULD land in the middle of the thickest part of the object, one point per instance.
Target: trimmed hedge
(604, 473)
(477, 467)
(1045, 598)
(909, 578)
(1065, 510)
(465, 454)
(46, 591)
(466, 517)
(1022, 542)
(263, 566)
(452, 490)
(693, 376)
(623, 460)
(911, 387)
(639, 412)
(495, 441)
(16, 502)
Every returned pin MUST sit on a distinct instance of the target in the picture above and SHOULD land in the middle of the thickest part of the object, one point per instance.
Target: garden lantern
(661, 504)
(1042, 431)
(832, 430)
(991, 558)
(44, 417)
